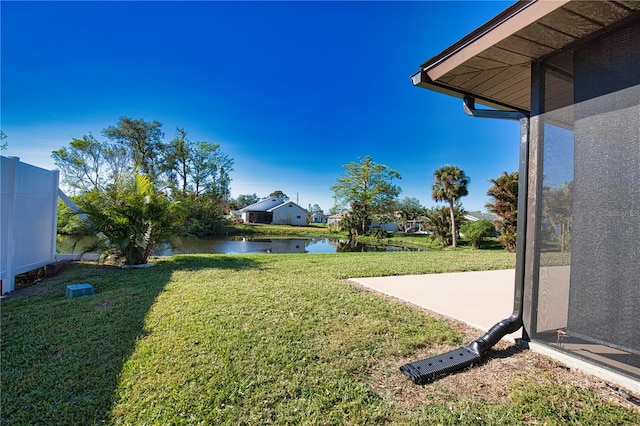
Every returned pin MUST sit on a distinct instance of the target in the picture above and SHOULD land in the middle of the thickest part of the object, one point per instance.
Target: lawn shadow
(196, 262)
(62, 358)
(503, 353)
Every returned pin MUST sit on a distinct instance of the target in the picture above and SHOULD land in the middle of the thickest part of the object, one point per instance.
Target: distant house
(476, 216)
(413, 226)
(319, 217)
(234, 214)
(387, 226)
(289, 213)
(274, 210)
(334, 219)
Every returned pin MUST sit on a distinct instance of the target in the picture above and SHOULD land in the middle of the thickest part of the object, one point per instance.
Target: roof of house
(268, 205)
(264, 204)
(475, 216)
(338, 215)
(493, 63)
(284, 204)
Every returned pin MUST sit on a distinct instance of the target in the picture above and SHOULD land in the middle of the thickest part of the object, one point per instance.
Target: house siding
(289, 214)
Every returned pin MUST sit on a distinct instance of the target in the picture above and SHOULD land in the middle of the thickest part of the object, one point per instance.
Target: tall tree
(210, 170)
(244, 200)
(504, 193)
(87, 164)
(356, 222)
(120, 164)
(143, 142)
(450, 184)
(368, 184)
(410, 209)
(279, 194)
(557, 206)
(178, 161)
(197, 168)
(314, 208)
(3, 136)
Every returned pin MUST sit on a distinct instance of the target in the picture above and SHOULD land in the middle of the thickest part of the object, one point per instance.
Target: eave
(493, 63)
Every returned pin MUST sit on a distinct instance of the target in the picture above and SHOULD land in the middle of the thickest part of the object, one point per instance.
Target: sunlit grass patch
(240, 339)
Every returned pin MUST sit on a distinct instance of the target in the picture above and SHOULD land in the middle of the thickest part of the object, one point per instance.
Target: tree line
(140, 190)
(179, 167)
(368, 193)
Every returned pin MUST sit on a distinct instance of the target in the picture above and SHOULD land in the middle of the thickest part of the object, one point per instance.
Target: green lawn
(245, 339)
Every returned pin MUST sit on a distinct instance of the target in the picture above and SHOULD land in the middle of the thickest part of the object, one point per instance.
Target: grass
(261, 229)
(245, 339)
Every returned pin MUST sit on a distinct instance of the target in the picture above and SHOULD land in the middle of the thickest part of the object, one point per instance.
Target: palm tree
(450, 183)
(505, 204)
(557, 205)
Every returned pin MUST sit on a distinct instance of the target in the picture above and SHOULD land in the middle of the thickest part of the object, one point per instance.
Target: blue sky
(292, 91)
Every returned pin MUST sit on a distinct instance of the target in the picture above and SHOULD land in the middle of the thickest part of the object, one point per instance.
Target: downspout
(514, 322)
(426, 370)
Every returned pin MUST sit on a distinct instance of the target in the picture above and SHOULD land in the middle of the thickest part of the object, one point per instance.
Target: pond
(191, 245)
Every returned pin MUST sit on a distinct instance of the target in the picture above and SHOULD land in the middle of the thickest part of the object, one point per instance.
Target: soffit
(493, 63)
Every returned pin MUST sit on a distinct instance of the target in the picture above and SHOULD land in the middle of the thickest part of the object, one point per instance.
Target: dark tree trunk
(454, 236)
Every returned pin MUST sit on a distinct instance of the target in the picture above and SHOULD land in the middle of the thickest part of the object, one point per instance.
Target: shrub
(203, 216)
(378, 232)
(133, 218)
(69, 223)
(477, 231)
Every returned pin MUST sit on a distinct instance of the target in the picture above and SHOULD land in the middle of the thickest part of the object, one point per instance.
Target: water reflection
(270, 246)
(234, 246)
(190, 245)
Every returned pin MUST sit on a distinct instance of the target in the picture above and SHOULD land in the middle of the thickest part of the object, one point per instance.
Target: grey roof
(263, 205)
(474, 216)
(268, 205)
(286, 203)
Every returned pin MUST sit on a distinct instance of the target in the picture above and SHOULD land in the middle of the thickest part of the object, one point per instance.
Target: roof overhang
(493, 63)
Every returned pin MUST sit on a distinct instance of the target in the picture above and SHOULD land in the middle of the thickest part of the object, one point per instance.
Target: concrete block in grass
(77, 290)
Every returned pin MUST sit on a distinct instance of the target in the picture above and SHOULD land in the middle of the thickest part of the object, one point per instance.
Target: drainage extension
(427, 370)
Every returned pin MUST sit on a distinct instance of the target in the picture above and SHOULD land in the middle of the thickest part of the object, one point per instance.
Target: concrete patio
(481, 299)
(478, 298)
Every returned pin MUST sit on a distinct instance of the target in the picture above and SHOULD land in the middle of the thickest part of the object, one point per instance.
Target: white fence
(29, 206)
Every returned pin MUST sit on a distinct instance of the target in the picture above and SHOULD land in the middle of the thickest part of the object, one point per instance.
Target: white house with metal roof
(274, 210)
